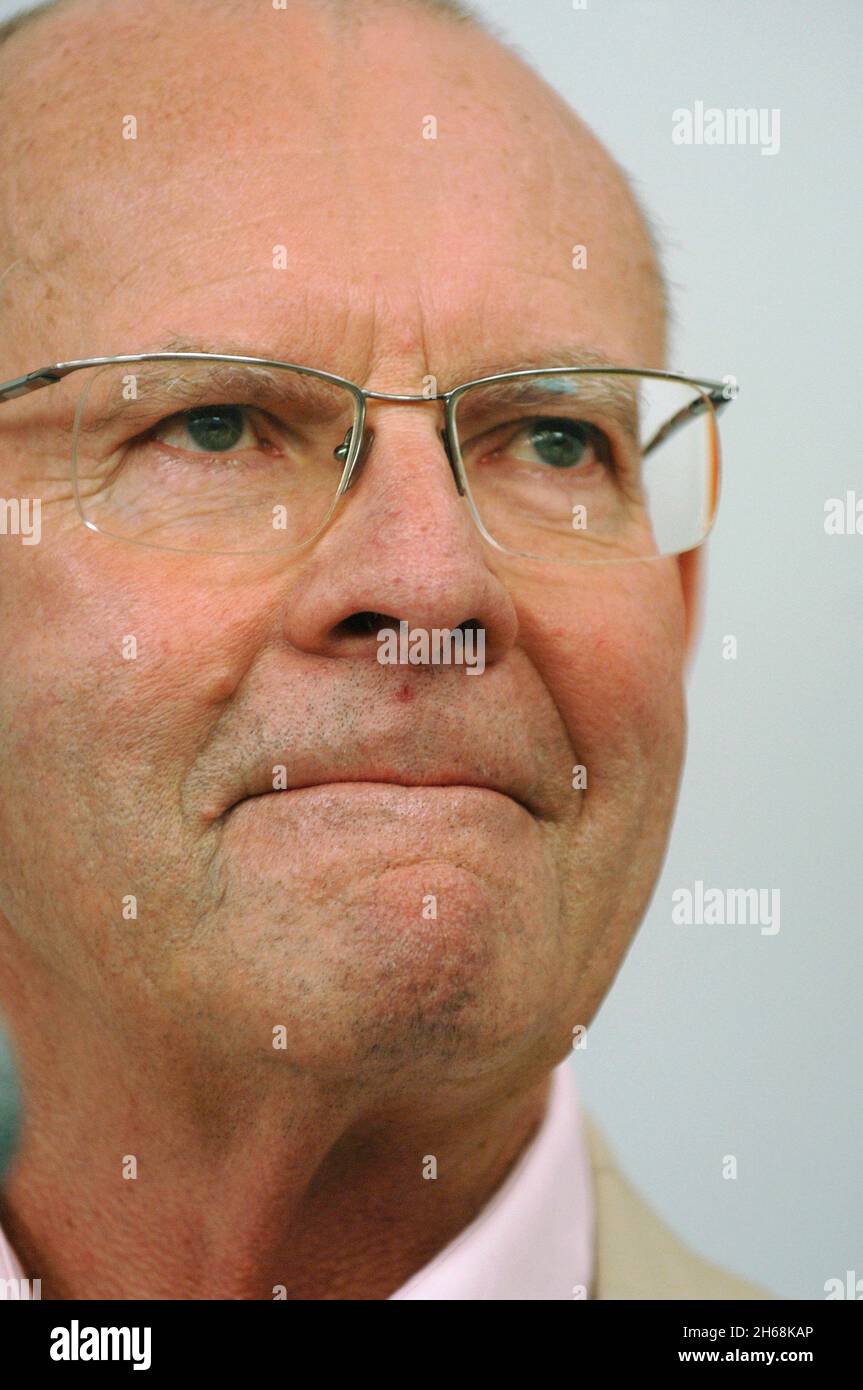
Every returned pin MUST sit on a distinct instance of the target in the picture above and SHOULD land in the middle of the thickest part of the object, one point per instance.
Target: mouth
(357, 786)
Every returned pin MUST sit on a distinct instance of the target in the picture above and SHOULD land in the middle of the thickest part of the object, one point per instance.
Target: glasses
(221, 454)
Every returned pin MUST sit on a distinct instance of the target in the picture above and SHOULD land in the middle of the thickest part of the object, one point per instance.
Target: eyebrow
(615, 396)
(165, 385)
(562, 355)
(172, 387)
(470, 368)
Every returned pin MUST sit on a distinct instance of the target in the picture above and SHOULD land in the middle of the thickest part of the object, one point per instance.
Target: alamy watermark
(21, 516)
(710, 125)
(23, 1290)
(436, 646)
(77, 1343)
(843, 516)
(709, 907)
(849, 1287)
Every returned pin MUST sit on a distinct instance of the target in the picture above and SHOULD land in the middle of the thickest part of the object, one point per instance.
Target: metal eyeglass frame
(354, 448)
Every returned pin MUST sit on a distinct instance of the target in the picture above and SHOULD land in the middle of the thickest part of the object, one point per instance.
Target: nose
(342, 451)
(402, 548)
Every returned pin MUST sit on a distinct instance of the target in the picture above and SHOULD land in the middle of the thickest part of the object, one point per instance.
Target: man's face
(405, 256)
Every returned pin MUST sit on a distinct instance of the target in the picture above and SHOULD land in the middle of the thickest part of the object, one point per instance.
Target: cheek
(96, 742)
(611, 655)
(116, 654)
(610, 649)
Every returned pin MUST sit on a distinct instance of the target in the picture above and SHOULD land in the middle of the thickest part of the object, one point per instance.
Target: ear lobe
(691, 566)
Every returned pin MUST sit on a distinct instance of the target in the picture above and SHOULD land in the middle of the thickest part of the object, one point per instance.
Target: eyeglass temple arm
(717, 398)
(33, 381)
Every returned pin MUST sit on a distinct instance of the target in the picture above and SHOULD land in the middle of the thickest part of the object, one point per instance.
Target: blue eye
(563, 443)
(215, 428)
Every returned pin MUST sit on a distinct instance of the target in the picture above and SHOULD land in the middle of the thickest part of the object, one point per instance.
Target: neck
(148, 1170)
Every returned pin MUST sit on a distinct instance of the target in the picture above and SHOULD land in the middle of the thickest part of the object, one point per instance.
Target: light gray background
(718, 1040)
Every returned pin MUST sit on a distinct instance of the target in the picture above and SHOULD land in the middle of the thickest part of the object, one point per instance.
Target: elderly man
(295, 940)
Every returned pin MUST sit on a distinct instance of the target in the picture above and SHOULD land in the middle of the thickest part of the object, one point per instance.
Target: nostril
(364, 623)
(367, 623)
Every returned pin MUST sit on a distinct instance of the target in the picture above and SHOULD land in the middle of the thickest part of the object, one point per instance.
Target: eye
(562, 443)
(212, 429)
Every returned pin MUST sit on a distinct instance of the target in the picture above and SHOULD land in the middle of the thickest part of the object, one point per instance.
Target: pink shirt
(533, 1240)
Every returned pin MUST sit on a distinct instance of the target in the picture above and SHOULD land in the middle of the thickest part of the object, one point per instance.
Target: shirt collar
(534, 1239)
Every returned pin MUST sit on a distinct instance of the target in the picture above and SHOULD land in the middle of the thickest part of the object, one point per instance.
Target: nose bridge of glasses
(395, 396)
(368, 436)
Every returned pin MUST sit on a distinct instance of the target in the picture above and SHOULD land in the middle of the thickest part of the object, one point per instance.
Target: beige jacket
(635, 1254)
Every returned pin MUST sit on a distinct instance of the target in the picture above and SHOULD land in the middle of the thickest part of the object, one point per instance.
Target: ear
(691, 565)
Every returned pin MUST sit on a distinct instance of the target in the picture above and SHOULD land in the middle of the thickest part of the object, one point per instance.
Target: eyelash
(603, 445)
(597, 439)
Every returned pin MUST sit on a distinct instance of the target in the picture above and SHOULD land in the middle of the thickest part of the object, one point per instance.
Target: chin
(420, 965)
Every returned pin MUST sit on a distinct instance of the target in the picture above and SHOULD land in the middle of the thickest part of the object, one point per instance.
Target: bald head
(218, 130)
(343, 8)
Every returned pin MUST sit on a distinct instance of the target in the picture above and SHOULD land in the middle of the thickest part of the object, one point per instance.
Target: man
(292, 943)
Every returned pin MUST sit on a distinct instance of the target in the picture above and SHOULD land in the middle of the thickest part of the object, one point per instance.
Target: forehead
(269, 177)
